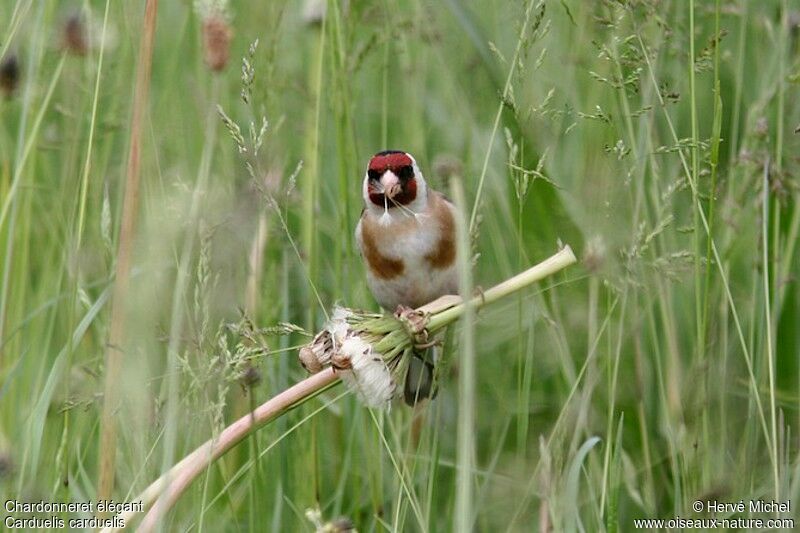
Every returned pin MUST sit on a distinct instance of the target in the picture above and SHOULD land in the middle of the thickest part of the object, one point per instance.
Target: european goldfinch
(406, 236)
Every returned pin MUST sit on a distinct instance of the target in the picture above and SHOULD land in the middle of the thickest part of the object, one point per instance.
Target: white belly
(416, 286)
(419, 283)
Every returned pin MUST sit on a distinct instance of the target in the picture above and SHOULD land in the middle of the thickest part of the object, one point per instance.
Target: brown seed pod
(10, 74)
(309, 360)
(250, 378)
(6, 466)
(317, 355)
(217, 36)
(341, 361)
(75, 37)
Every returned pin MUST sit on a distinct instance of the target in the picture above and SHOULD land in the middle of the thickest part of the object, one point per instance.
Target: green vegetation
(658, 138)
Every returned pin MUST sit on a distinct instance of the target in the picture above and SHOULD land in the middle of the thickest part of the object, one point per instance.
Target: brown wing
(444, 253)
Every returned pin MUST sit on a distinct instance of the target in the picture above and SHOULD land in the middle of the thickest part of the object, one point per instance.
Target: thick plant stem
(179, 477)
(108, 433)
(536, 273)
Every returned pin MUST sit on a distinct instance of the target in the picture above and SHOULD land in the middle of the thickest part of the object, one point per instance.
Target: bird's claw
(415, 323)
(478, 291)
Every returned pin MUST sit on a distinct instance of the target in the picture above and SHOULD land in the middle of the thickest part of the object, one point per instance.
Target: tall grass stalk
(612, 369)
(717, 260)
(503, 101)
(10, 201)
(695, 177)
(346, 151)
(716, 131)
(15, 21)
(309, 184)
(116, 339)
(26, 139)
(770, 354)
(183, 272)
(465, 456)
(73, 254)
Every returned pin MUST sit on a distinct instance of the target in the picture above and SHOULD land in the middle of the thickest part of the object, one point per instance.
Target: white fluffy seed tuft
(338, 324)
(367, 374)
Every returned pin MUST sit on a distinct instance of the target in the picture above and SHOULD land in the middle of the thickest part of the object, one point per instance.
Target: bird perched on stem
(406, 236)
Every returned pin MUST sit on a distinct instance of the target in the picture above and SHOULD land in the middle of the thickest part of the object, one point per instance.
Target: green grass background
(683, 361)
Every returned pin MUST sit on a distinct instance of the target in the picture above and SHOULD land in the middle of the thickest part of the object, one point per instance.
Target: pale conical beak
(391, 184)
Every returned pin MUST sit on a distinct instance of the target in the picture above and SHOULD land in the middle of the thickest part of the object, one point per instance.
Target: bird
(406, 237)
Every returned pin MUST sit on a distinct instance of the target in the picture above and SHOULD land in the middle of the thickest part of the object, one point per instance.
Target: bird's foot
(415, 323)
(478, 291)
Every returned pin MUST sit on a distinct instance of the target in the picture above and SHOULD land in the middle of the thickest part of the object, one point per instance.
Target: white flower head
(361, 367)
(318, 353)
(338, 325)
(366, 372)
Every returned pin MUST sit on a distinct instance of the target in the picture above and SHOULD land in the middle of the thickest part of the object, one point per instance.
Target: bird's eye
(406, 172)
(373, 175)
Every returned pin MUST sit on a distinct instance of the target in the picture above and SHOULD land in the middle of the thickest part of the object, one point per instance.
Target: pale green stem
(536, 273)
(770, 355)
(698, 302)
(465, 451)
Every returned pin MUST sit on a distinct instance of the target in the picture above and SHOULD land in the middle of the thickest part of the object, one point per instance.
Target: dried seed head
(320, 352)
(309, 360)
(338, 325)
(250, 378)
(10, 74)
(341, 361)
(594, 254)
(217, 36)
(340, 525)
(314, 12)
(794, 23)
(317, 355)
(346, 347)
(6, 466)
(761, 128)
(75, 36)
(447, 166)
